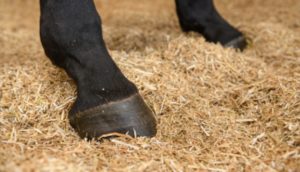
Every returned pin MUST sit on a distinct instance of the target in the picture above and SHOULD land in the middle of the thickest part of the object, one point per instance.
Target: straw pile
(217, 109)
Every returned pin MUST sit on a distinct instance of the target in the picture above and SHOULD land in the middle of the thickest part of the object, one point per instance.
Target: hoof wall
(237, 43)
(127, 116)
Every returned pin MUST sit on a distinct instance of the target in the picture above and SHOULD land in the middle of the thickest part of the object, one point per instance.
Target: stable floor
(217, 109)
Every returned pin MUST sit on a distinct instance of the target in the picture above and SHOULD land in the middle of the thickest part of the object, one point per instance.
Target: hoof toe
(237, 43)
(127, 116)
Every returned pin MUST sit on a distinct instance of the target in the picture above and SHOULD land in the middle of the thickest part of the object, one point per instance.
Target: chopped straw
(217, 109)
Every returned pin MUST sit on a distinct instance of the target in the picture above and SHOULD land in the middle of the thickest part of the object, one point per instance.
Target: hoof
(237, 43)
(127, 116)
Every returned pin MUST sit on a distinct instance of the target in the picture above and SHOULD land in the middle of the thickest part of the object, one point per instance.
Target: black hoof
(237, 43)
(127, 116)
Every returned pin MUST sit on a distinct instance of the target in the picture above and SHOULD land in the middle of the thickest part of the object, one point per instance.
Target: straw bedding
(217, 109)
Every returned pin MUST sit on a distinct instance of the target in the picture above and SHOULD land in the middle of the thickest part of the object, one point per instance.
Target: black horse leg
(106, 100)
(201, 16)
